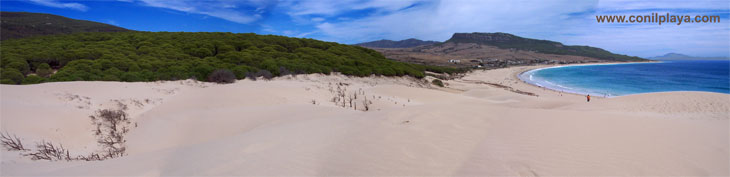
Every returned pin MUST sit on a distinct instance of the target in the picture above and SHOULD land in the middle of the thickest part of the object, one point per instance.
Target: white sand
(272, 128)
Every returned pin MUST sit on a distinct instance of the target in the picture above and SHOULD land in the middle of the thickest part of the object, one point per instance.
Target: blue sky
(354, 21)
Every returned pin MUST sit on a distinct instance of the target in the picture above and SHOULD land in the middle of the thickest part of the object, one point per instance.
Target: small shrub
(32, 79)
(11, 143)
(222, 76)
(21, 66)
(132, 77)
(266, 74)
(7, 81)
(111, 125)
(43, 70)
(47, 151)
(251, 75)
(438, 82)
(283, 71)
(13, 75)
(261, 73)
(241, 71)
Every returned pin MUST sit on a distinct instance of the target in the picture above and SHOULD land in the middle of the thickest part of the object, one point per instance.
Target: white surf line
(551, 86)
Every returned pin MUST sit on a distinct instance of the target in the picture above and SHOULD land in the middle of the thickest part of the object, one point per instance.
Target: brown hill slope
(471, 54)
(26, 24)
(499, 50)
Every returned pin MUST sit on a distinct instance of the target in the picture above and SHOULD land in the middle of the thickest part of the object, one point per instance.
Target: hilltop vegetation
(25, 24)
(151, 56)
(509, 41)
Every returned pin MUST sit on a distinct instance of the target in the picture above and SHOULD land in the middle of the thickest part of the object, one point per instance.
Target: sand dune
(290, 126)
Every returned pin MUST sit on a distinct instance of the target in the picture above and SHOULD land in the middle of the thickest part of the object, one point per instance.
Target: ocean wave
(531, 78)
(632, 78)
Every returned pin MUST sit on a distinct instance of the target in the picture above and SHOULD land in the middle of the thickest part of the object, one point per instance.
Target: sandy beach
(488, 123)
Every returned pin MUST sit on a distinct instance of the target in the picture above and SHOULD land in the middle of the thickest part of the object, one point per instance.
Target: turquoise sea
(633, 78)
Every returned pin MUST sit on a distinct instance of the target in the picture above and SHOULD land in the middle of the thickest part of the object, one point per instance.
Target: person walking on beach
(588, 98)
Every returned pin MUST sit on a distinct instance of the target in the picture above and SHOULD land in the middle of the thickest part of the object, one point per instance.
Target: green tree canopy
(150, 56)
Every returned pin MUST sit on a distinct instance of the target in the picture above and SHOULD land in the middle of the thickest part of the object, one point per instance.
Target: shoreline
(518, 75)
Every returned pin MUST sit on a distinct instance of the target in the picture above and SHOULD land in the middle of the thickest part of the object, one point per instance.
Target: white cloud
(335, 7)
(438, 20)
(651, 39)
(647, 40)
(301, 35)
(112, 22)
(56, 4)
(230, 10)
(570, 22)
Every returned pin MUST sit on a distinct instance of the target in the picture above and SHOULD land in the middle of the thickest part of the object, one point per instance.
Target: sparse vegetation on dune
(222, 76)
(11, 143)
(111, 126)
(438, 82)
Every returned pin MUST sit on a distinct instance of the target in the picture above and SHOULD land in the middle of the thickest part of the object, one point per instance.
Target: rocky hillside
(495, 50)
(25, 24)
(509, 41)
(396, 44)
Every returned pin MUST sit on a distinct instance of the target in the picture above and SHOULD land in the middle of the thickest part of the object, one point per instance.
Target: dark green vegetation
(438, 82)
(151, 56)
(223, 76)
(509, 41)
(396, 44)
(25, 24)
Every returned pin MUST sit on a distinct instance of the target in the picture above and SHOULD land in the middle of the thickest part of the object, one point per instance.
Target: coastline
(409, 129)
(520, 76)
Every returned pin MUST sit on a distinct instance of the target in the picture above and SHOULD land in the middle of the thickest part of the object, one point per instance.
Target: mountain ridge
(510, 41)
(406, 43)
(496, 50)
(679, 56)
(28, 24)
